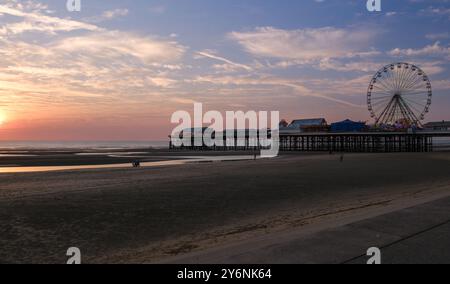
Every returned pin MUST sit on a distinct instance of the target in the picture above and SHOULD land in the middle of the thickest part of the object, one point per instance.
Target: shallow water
(86, 167)
(184, 160)
(94, 145)
(110, 154)
(16, 155)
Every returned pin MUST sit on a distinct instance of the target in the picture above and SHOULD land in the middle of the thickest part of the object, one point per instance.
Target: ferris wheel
(399, 93)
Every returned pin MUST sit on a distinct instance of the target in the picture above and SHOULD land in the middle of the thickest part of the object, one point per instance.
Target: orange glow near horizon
(2, 118)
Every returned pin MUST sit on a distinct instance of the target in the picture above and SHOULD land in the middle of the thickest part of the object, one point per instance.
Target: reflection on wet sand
(183, 160)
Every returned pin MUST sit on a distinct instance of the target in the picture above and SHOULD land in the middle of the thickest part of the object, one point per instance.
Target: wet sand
(75, 157)
(150, 214)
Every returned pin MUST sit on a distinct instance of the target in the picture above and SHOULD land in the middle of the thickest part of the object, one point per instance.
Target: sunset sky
(118, 69)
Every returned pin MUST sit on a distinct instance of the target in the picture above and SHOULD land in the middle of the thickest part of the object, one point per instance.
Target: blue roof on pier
(348, 126)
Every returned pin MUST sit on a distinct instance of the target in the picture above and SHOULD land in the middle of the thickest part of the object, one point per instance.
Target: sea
(442, 143)
(88, 145)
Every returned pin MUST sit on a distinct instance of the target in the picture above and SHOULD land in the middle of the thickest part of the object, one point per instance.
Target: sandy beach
(148, 215)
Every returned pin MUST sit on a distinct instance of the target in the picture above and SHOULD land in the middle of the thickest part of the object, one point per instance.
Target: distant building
(309, 125)
(348, 126)
(299, 123)
(438, 126)
(283, 124)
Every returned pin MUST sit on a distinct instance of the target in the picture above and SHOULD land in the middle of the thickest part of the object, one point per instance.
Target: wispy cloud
(36, 21)
(437, 11)
(297, 86)
(229, 65)
(116, 44)
(437, 36)
(108, 66)
(108, 15)
(303, 44)
(434, 49)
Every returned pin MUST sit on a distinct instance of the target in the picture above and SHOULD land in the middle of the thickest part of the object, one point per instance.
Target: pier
(359, 142)
(356, 142)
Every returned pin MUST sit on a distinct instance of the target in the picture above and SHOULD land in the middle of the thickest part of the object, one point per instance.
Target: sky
(117, 70)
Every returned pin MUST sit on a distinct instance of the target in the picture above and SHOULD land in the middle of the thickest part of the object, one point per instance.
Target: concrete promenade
(420, 234)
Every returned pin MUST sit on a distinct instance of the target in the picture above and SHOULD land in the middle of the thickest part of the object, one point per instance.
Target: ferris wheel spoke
(418, 82)
(402, 113)
(382, 85)
(408, 82)
(413, 81)
(387, 80)
(407, 78)
(381, 100)
(392, 115)
(415, 93)
(386, 112)
(415, 98)
(416, 103)
(408, 111)
(390, 81)
(393, 79)
(379, 106)
(398, 78)
(381, 94)
(402, 78)
(415, 89)
(412, 75)
(416, 85)
(417, 112)
(416, 109)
